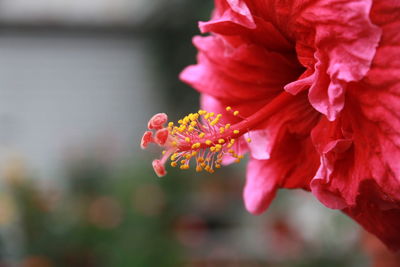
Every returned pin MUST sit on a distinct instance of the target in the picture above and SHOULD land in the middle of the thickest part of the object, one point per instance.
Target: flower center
(203, 137)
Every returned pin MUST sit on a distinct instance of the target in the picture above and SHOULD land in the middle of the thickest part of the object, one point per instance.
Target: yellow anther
(190, 129)
(203, 164)
(211, 171)
(218, 146)
(232, 141)
(184, 167)
(187, 139)
(236, 113)
(174, 143)
(201, 135)
(201, 112)
(217, 166)
(182, 128)
(208, 142)
(215, 121)
(193, 123)
(174, 164)
(212, 149)
(221, 130)
(200, 159)
(180, 121)
(194, 153)
(170, 124)
(231, 151)
(199, 168)
(229, 145)
(227, 126)
(196, 145)
(248, 140)
(236, 131)
(211, 114)
(240, 156)
(221, 141)
(219, 116)
(163, 152)
(188, 156)
(228, 108)
(219, 161)
(183, 161)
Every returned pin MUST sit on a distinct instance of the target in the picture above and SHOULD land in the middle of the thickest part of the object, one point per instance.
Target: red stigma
(159, 168)
(157, 121)
(146, 139)
(161, 136)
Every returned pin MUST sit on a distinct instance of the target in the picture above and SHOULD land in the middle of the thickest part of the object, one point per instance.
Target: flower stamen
(203, 137)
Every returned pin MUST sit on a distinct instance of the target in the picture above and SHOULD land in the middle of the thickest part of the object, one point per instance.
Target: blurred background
(79, 80)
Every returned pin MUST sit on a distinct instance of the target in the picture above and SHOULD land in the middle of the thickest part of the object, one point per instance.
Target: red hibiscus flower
(316, 86)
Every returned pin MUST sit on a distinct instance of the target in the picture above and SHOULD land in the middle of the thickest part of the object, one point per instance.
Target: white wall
(76, 11)
(60, 95)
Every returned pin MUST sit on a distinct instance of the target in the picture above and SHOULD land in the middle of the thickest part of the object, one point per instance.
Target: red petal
(293, 161)
(377, 214)
(219, 64)
(228, 13)
(344, 40)
(260, 187)
(364, 179)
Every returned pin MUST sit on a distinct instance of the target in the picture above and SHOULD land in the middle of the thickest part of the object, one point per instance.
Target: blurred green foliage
(128, 217)
(98, 221)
